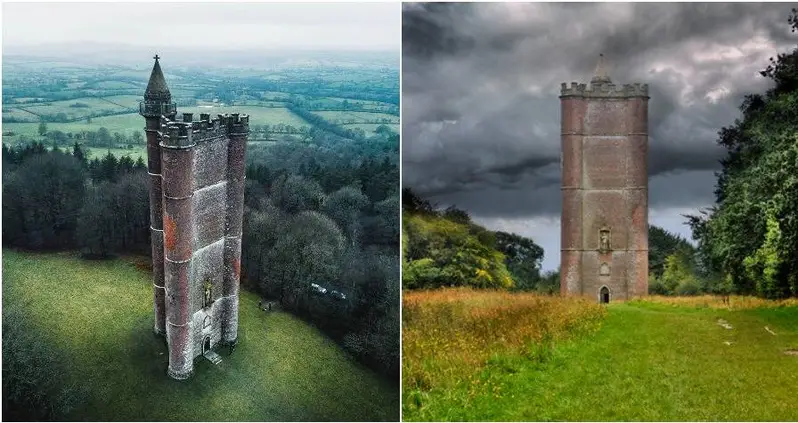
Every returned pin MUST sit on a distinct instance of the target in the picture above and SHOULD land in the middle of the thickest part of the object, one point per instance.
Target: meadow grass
(100, 312)
(651, 360)
(450, 335)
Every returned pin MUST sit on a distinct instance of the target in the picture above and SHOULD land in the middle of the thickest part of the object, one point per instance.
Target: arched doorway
(206, 344)
(604, 295)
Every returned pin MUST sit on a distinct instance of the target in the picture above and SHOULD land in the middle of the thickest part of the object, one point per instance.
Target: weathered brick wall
(176, 167)
(604, 187)
(153, 124)
(210, 208)
(202, 189)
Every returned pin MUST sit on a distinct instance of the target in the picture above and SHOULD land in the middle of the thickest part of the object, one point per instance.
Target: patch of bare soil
(791, 351)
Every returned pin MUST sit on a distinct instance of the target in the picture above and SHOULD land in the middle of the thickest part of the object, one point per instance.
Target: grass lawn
(101, 313)
(649, 361)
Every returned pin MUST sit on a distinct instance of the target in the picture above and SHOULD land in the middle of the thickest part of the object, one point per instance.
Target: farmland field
(343, 117)
(74, 98)
(75, 109)
(650, 360)
(125, 124)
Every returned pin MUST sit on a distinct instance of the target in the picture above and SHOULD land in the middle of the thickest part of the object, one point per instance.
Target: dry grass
(733, 302)
(450, 334)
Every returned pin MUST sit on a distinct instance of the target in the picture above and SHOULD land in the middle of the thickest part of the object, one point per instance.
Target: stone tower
(196, 173)
(604, 239)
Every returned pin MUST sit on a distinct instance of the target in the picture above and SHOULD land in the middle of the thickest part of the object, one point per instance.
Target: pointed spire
(156, 88)
(600, 75)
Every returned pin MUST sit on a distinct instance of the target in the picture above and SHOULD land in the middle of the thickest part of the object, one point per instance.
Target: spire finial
(600, 74)
(156, 87)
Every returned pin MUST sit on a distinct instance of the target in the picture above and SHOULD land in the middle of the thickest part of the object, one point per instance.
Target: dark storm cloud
(480, 86)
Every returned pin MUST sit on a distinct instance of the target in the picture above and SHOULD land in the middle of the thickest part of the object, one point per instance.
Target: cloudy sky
(480, 112)
(315, 26)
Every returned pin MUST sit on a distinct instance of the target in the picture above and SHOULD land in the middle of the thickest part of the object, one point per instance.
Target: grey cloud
(480, 86)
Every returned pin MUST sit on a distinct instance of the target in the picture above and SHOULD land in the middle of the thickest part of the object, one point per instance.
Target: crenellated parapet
(188, 132)
(606, 90)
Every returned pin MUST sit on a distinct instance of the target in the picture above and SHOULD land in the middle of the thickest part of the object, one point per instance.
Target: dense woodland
(321, 225)
(748, 241)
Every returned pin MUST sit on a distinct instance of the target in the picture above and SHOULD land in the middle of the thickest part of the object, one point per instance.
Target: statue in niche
(604, 270)
(208, 286)
(604, 240)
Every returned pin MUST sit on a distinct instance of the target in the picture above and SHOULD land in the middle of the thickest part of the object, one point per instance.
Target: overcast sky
(480, 107)
(315, 26)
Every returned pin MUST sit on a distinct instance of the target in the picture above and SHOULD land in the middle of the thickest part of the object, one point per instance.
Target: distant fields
(658, 359)
(109, 98)
(126, 124)
(257, 115)
(100, 313)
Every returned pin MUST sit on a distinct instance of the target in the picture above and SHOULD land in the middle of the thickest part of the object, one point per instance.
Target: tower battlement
(607, 90)
(188, 132)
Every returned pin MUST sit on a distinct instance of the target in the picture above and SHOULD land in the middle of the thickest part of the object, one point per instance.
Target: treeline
(749, 239)
(444, 248)
(321, 123)
(59, 200)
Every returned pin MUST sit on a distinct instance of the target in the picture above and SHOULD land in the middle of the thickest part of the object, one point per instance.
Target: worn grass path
(648, 362)
(100, 312)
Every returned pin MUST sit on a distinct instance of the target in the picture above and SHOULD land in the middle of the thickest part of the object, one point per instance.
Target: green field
(100, 312)
(129, 101)
(19, 114)
(357, 117)
(124, 124)
(257, 115)
(95, 105)
(648, 362)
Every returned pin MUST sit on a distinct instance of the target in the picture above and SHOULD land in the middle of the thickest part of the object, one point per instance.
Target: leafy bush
(441, 253)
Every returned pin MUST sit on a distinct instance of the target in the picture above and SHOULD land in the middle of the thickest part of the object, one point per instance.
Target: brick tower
(196, 209)
(604, 239)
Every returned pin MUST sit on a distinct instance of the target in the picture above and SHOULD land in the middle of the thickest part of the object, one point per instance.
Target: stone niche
(604, 269)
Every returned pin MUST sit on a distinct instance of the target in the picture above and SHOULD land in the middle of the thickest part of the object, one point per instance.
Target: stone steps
(212, 357)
